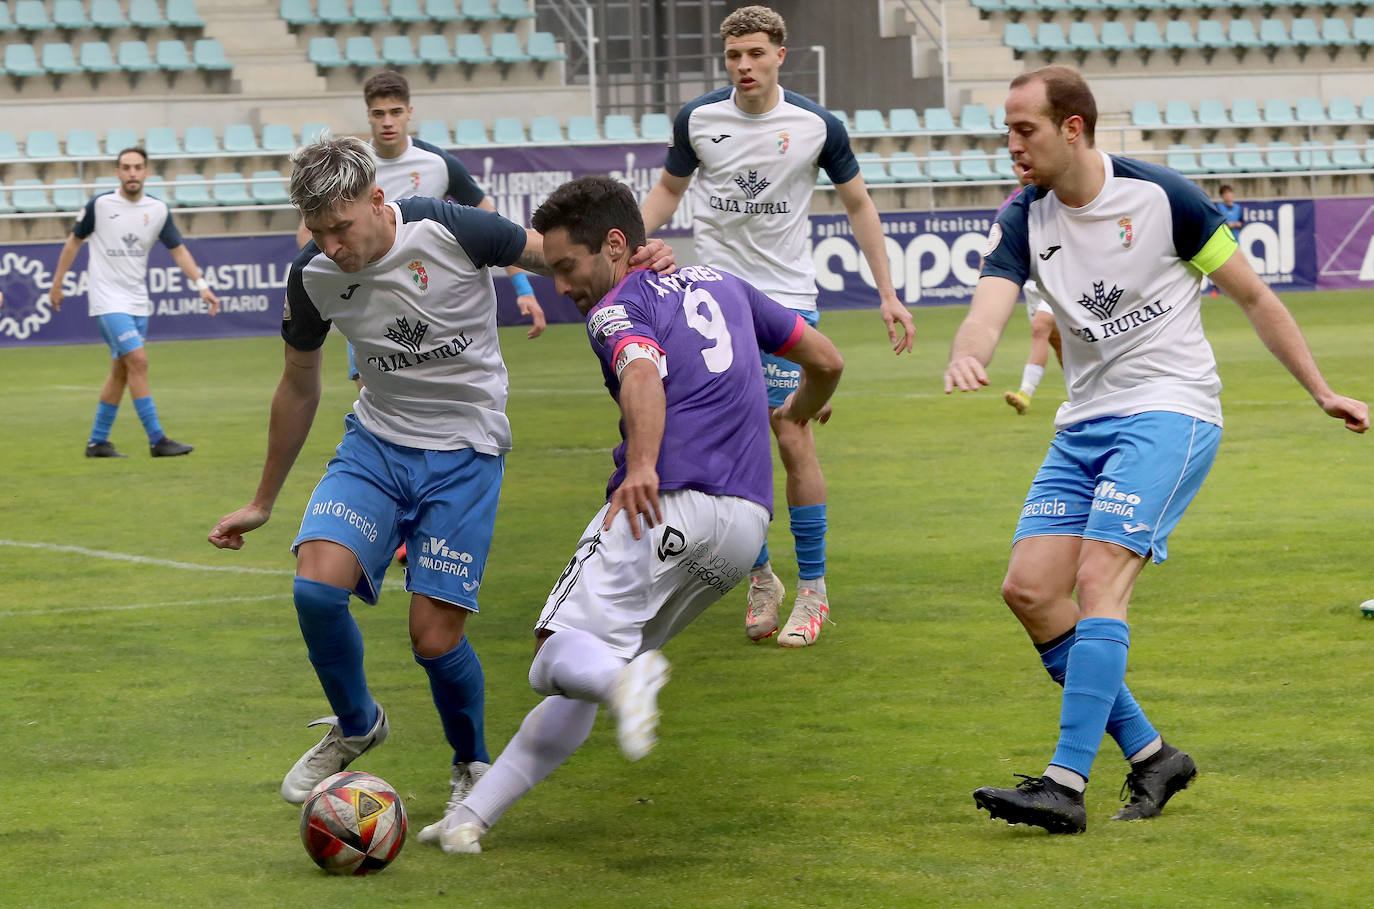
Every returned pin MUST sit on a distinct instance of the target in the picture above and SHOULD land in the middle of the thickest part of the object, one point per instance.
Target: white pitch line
(14, 612)
(145, 560)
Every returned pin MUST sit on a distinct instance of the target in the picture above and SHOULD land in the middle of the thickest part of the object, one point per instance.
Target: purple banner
(1345, 243)
(1279, 240)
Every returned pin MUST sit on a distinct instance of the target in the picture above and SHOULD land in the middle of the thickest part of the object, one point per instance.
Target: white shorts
(1035, 300)
(637, 594)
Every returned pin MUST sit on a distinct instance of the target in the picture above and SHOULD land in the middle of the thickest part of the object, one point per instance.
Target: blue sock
(762, 560)
(459, 690)
(147, 412)
(104, 421)
(1127, 723)
(808, 530)
(335, 646)
(1095, 673)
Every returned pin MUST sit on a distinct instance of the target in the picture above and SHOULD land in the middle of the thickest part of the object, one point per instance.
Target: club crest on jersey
(752, 185)
(146, 219)
(1127, 235)
(418, 274)
(784, 140)
(414, 181)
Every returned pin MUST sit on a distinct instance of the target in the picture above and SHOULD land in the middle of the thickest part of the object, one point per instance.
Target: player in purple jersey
(693, 476)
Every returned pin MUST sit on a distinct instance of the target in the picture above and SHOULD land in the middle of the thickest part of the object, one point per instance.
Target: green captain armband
(1215, 251)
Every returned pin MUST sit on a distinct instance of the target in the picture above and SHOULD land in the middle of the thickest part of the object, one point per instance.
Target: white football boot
(803, 626)
(462, 778)
(635, 703)
(333, 753)
(761, 604)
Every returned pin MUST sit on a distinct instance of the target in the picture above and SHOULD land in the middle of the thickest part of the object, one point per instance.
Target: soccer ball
(353, 823)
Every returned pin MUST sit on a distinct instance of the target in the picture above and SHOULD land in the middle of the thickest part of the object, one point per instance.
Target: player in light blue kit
(422, 456)
(1117, 248)
(693, 480)
(755, 150)
(122, 226)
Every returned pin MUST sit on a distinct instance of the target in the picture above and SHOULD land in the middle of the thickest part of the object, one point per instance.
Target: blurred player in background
(1044, 333)
(693, 479)
(123, 225)
(755, 150)
(1117, 247)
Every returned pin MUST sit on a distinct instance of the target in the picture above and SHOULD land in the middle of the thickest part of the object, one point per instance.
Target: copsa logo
(22, 280)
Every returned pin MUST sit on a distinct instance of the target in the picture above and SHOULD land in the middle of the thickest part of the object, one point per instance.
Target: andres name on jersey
(1102, 304)
(411, 339)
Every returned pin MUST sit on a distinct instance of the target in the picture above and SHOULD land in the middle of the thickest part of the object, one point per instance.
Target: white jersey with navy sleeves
(426, 170)
(422, 321)
(755, 174)
(121, 235)
(1121, 277)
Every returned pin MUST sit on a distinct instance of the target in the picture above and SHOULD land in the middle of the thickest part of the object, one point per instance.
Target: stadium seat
(208, 54)
(107, 16)
(1179, 115)
(1145, 36)
(21, 60)
(297, 13)
(134, 57)
(1346, 155)
(58, 59)
(325, 52)
(1313, 155)
(146, 14)
(278, 137)
(435, 132)
(154, 186)
(398, 51)
(1248, 158)
(1215, 158)
(1211, 35)
(1277, 112)
(273, 193)
(240, 137)
(656, 127)
(9, 148)
(1304, 33)
(545, 131)
(938, 120)
(1367, 108)
(508, 131)
(1115, 38)
(1335, 33)
(118, 139)
(370, 12)
(183, 14)
(172, 56)
(974, 164)
(42, 143)
(478, 10)
(1310, 110)
(31, 16)
(361, 50)
(435, 50)
(976, 118)
(941, 166)
(1002, 167)
(543, 48)
(1341, 110)
(1273, 34)
(1018, 37)
(70, 15)
(334, 12)
(505, 48)
(313, 132)
(1049, 36)
(407, 11)
(30, 197)
(1245, 112)
(472, 48)
(583, 129)
(904, 168)
(83, 143)
(67, 194)
(187, 190)
(1145, 114)
(867, 120)
(229, 189)
(1178, 35)
(514, 9)
(6, 22)
(1212, 113)
(442, 11)
(620, 127)
(872, 169)
(200, 140)
(1082, 38)
(1362, 32)
(1241, 33)
(1280, 156)
(903, 120)
(470, 132)
(162, 142)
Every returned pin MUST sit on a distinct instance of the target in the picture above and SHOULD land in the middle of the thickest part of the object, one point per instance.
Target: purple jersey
(709, 327)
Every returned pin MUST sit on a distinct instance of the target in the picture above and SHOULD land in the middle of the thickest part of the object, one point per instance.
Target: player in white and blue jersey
(680, 354)
(122, 226)
(409, 283)
(755, 150)
(1118, 248)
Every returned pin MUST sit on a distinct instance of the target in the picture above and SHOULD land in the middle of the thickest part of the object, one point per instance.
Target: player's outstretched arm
(976, 340)
(1280, 333)
(182, 257)
(293, 410)
(64, 262)
(662, 201)
(868, 231)
(821, 365)
(643, 406)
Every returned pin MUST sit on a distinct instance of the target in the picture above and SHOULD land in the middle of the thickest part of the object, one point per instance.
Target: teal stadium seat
(543, 48)
(83, 143)
(107, 15)
(324, 52)
(1304, 33)
(1362, 32)
(546, 131)
(229, 189)
(869, 121)
(478, 11)
(146, 14)
(278, 137)
(1212, 113)
(1178, 35)
(313, 132)
(162, 142)
(1277, 112)
(370, 12)
(976, 118)
(1215, 158)
(117, 139)
(903, 121)
(29, 197)
(271, 193)
(435, 132)
(240, 138)
(70, 15)
(514, 9)
(1145, 114)
(583, 129)
(1310, 110)
(1346, 155)
(1083, 38)
(42, 143)
(872, 169)
(200, 140)
(106, 183)
(505, 47)
(442, 11)
(1281, 156)
(1273, 34)
(1179, 115)
(472, 49)
(67, 194)
(1115, 37)
(1248, 158)
(1002, 167)
(620, 127)
(22, 61)
(471, 131)
(1341, 109)
(297, 13)
(1049, 36)
(398, 51)
(938, 120)
(59, 60)
(335, 12)
(31, 16)
(974, 164)
(183, 14)
(6, 21)
(1211, 34)
(434, 50)
(208, 55)
(408, 11)
(187, 190)
(172, 56)
(1018, 37)
(1145, 36)
(941, 166)
(361, 50)
(9, 147)
(656, 127)
(1245, 112)
(1241, 33)
(134, 57)
(508, 131)
(1335, 33)
(1312, 155)
(1367, 108)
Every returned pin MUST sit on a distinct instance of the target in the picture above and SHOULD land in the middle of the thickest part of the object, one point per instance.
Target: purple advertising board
(1279, 240)
(1345, 243)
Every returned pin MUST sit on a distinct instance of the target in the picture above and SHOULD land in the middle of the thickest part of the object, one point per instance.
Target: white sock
(1148, 751)
(816, 584)
(762, 571)
(549, 735)
(1061, 775)
(576, 664)
(1030, 379)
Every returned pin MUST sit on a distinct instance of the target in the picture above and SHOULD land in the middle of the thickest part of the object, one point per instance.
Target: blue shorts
(123, 332)
(781, 377)
(352, 365)
(1122, 480)
(374, 494)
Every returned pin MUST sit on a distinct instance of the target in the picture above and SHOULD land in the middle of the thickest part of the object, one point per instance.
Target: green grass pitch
(150, 708)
